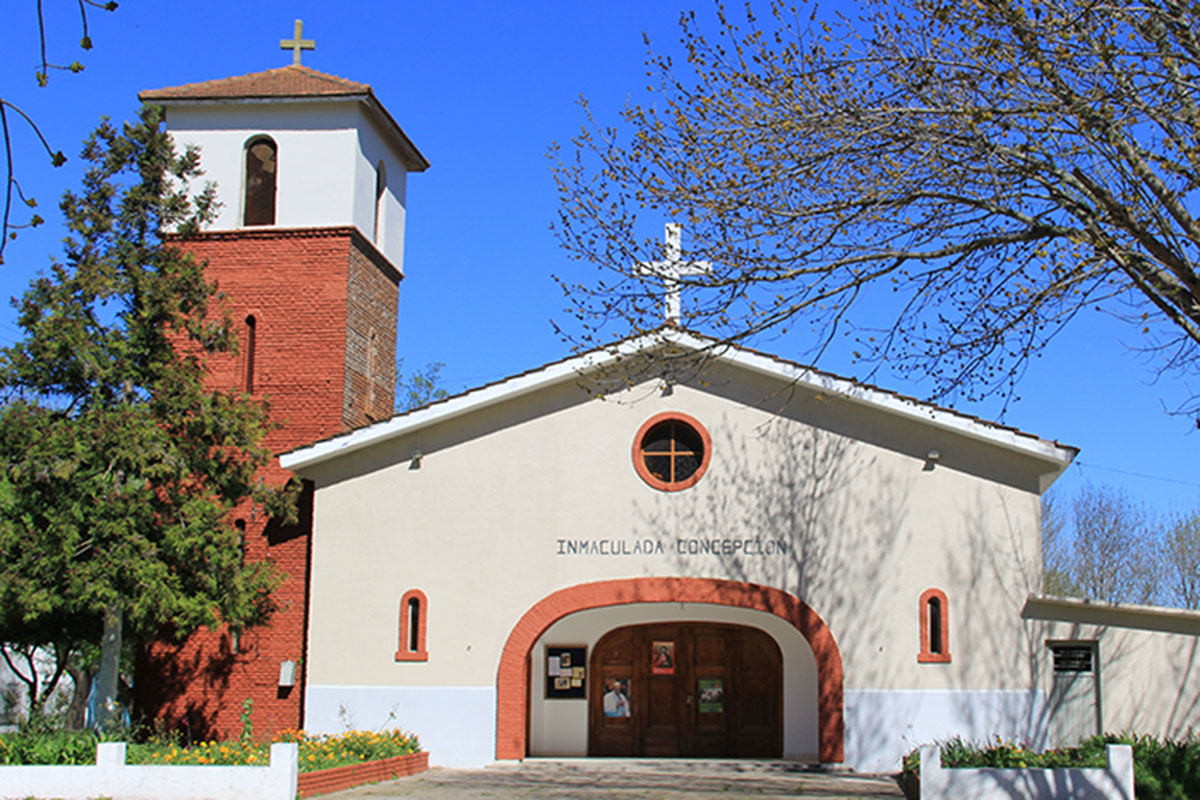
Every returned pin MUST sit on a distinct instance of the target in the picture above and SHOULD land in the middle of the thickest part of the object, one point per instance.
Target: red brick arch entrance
(512, 680)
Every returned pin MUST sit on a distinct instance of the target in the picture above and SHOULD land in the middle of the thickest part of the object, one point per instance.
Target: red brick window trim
(671, 451)
(414, 609)
(935, 628)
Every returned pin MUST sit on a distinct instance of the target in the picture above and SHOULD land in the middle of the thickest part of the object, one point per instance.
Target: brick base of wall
(334, 780)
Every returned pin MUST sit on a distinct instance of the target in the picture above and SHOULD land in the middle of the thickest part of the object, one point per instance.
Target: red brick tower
(308, 250)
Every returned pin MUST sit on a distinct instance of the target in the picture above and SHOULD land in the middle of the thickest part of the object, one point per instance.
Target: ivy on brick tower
(120, 463)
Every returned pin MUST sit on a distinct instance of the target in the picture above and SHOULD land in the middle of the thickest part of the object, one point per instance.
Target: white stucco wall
(326, 161)
(884, 724)
(456, 725)
(1149, 681)
(481, 527)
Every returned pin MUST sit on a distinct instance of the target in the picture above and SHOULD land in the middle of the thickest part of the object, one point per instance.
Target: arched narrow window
(251, 341)
(259, 207)
(935, 628)
(414, 609)
(935, 625)
(240, 525)
(380, 186)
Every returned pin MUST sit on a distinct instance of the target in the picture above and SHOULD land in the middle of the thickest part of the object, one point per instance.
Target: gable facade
(823, 519)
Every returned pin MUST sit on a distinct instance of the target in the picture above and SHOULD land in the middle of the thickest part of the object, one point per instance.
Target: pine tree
(120, 465)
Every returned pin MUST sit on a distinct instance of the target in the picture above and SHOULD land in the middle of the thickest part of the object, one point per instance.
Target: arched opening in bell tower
(258, 207)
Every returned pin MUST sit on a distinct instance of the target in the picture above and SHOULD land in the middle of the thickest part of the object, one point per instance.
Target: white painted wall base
(455, 724)
(1114, 782)
(110, 777)
(884, 724)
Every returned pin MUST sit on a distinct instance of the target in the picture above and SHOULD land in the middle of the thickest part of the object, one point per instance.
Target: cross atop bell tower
(297, 43)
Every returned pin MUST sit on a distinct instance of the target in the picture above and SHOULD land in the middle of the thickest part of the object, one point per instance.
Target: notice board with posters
(566, 672)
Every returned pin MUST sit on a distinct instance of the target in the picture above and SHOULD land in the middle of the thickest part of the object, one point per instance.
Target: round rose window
(671, 451)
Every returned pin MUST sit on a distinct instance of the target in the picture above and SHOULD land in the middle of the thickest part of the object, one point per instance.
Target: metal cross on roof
(296, 44)
(672, 269)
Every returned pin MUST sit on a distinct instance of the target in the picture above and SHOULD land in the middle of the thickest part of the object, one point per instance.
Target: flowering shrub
(316, 751)
(957, 752)
(1163, 769)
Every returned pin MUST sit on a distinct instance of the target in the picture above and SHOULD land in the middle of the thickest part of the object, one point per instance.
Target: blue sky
(484, 89)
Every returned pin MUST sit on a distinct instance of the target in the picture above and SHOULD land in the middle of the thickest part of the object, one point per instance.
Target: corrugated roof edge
(573, 365)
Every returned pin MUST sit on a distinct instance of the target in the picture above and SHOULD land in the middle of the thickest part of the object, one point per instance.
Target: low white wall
(884, 724)
(1114, 782)
(110, 777)
(458, 723)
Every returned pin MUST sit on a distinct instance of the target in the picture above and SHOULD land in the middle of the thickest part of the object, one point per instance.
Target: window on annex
(259, 205)
(1074, 704)
(671, 451)
(1073, 658)
(414, 610)
(935, 627)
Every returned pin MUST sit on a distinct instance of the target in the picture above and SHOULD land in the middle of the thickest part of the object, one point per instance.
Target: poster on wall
(566, 676)
(616, 697)
(662, 658)
(712, 695)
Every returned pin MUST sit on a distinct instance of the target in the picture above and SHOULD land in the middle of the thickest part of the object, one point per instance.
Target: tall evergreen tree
(120, 466)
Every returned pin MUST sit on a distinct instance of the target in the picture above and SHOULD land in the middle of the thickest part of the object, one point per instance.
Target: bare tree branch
(996, 167)
(8, 229)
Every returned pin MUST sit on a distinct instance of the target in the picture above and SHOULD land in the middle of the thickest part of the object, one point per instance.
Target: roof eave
(297, 460)
(1081, 611)
(1041, 449)
(1055, 456)
(413, 159)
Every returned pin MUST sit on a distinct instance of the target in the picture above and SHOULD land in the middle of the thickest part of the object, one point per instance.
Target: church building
(664, 547)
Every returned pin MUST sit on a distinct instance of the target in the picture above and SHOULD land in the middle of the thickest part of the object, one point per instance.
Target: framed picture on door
(662, 658)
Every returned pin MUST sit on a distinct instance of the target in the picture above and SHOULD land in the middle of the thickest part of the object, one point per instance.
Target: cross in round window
(671, 451)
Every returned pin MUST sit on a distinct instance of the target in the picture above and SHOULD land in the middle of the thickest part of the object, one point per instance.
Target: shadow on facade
(196, 687)
(787, 509)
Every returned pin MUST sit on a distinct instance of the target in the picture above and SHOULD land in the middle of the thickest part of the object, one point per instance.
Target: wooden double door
(686, 690)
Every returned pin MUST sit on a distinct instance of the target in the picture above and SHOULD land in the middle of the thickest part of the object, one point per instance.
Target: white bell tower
(297, 148)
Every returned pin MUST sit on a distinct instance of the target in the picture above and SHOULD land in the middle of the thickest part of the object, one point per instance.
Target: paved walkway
(629, 779)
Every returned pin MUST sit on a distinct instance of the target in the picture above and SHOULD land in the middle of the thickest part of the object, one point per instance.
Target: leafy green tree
(120, 466)
(949, 183)
(419, 387)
